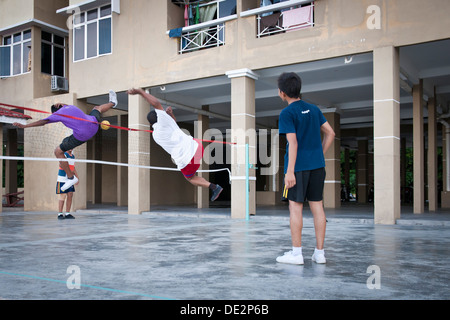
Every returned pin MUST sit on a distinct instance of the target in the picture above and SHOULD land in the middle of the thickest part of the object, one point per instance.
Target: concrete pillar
(138, 154)
(445, 195)
(97, 169)
(370, 175)
(274, 178)
(242, 132)
(347, 170)
(201, 125)
(432, 156)
(362, 166)
(122, 157)
(332, 188)
(418, 148)
(11, 166)
(1, 163)
(444, 157)
(386, 111)
(403, 169)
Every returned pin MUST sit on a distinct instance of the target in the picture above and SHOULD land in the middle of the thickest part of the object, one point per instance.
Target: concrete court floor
(187, 254)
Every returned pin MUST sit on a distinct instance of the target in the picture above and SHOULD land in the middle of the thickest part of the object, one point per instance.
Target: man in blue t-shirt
(304, 164)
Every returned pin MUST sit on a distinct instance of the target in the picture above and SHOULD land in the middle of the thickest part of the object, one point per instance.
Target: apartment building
(378, 69)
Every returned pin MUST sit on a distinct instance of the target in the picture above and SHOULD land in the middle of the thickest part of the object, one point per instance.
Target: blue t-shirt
(303, 119)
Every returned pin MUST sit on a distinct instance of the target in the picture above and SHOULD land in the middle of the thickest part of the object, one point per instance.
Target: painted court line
(86, 286)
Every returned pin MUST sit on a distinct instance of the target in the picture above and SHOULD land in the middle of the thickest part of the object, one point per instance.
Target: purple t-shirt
(82, 130)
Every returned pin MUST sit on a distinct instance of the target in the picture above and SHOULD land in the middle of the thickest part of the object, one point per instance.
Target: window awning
(90, 4)
(33, 22)
(8, 116)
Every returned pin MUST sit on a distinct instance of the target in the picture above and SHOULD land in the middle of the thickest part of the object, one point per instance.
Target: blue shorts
(59, 186)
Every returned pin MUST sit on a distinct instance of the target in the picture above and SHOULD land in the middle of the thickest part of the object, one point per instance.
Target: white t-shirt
(173, 140)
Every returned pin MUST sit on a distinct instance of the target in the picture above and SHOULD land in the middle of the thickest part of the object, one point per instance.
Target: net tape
(108, 163)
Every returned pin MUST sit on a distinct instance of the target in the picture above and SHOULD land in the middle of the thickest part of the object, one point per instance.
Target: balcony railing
(201, 39)
(203, 35)
(280, 17)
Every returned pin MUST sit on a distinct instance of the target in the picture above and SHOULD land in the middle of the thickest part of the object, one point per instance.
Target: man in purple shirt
(84, 128)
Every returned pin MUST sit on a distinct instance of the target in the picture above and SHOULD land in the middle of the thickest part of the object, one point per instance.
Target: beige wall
(45, 10)
(17, 90)
(15, 11)
(144, 55)
(40, 176)
(21, 89)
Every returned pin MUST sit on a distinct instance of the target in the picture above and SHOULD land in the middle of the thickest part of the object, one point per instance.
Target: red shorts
(193, 166)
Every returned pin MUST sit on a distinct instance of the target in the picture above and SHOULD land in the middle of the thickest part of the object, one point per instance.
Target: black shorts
(71, 142)
(309, 186)
(96, 114)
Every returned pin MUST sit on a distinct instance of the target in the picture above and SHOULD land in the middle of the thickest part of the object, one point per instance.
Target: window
(15, 54)
(198, 11)
(92, 33)
(212, 14)
(53, 54)
(227, 8)
(202, 11)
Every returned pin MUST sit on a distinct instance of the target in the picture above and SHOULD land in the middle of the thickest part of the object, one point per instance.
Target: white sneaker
(69, 183)
(289, 258)
(113, 98)
(318, 258)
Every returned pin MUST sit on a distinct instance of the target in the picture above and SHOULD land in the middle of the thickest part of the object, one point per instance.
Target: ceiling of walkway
(344, 83)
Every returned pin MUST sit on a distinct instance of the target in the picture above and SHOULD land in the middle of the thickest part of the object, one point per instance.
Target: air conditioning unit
(59, 84)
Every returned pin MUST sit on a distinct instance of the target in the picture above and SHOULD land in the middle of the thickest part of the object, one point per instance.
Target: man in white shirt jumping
(186, 152)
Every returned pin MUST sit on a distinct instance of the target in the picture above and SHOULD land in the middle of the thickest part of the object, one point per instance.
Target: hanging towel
(197, 15)
(270, 21)
(298, 18)
(175, 33)
(186, 15)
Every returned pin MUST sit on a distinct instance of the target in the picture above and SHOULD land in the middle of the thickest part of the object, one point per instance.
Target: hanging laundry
(197, 15)
(270, 21)
(175, 33)
(297, 18)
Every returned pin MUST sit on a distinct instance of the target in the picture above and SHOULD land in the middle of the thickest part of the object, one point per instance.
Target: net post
(247, 182)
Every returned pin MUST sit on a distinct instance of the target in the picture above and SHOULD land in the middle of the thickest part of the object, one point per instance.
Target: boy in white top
(186, 152)
(173, 140)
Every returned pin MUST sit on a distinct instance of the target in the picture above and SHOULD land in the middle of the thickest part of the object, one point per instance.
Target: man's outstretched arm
(147, 96)
(169, 111)
(38, 123)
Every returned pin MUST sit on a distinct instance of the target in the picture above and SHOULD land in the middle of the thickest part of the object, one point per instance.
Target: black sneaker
(61, 216)
(69, 216)
(216, 192)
